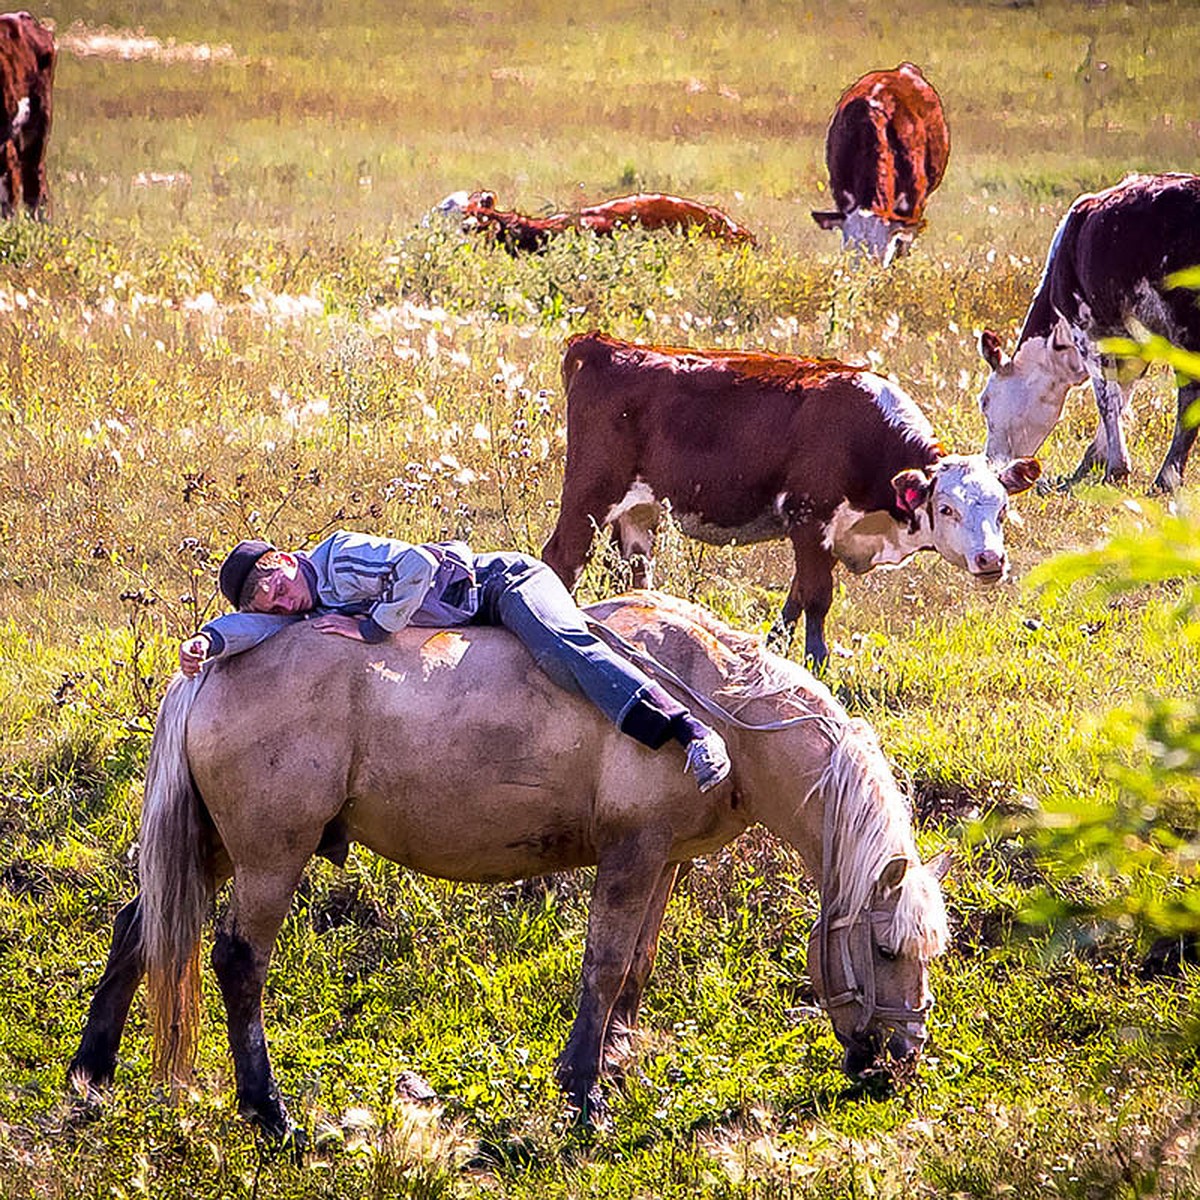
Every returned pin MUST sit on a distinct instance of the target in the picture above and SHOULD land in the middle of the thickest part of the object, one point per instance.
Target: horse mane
(871, 818)
(870, 823)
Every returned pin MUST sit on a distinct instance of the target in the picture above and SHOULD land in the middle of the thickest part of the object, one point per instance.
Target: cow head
(869, 233)
(960, 504)
(1023, 397)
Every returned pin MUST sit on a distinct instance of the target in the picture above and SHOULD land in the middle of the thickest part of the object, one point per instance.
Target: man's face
(282, 589)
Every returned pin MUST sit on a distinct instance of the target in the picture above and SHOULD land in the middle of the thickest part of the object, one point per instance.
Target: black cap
(237, 567)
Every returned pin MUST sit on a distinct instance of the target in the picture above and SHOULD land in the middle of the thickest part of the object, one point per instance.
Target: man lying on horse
(366, 588)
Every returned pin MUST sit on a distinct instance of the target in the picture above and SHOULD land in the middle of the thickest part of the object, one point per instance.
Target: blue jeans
(526, 597)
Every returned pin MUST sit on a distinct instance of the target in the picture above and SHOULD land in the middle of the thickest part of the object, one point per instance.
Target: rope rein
(646, 660)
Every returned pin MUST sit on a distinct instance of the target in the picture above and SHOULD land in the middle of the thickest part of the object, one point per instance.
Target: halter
(857, 928)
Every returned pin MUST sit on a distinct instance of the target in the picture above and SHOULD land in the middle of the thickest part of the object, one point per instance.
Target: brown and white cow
(751, 447)
(1107, 274)
(886, 150)
(26, 80)
(646, 210)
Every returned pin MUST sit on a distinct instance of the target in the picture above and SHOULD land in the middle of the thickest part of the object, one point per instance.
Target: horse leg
(241, 953)
(96, 1059)
(623, 1019)
(1170, 475)
(627, 877)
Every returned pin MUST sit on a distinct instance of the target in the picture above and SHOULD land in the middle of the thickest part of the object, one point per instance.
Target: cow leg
(623, 1018)
(570, 545)
(33, 175)
(241, 953)
(811, 593)
(8, 177)
(1170, 475)
(635, 531)
(628, 876)
(1110, 399)
(96, 1059)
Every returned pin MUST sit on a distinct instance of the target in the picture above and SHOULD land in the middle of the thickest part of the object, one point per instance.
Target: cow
(886, 150)
(1108, 273)
(647, 210)
(27, 57)
(753, 447)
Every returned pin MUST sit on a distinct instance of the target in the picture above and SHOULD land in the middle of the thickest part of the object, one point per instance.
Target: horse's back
(446, 750)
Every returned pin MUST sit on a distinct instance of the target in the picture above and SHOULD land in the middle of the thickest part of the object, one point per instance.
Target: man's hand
(340, 624)
(192, 654)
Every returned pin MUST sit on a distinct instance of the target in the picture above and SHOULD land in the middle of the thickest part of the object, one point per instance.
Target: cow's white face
(1023, 397)
(961, 504)
(869, 233)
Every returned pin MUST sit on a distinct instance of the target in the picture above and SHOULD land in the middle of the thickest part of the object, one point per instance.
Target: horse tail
(176, 886)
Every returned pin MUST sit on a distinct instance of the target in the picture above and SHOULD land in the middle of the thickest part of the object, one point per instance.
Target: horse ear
(912, 488)
(892, 874)
(992, 351)
(1020, 474)
(939, 865)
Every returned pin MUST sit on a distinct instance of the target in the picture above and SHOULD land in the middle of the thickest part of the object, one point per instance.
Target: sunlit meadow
(241, 319)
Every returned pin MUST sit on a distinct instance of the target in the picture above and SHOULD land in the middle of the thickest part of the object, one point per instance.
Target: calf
(1107, 274)
(886, 150)
(26, 79)
(652, 210)
(751, 447)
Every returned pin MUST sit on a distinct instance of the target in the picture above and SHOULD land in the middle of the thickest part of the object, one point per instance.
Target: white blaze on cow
(886, 150)
(749, 447)
(1107, 274)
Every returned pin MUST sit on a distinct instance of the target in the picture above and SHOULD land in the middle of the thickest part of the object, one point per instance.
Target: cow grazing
(751, 447)
(649, 210)
(1107, 274)
(26, 80)
(886, 150)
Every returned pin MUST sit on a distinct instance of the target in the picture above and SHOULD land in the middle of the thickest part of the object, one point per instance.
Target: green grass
(270, 342)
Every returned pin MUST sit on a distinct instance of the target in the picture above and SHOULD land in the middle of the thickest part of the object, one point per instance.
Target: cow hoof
(590, 1109)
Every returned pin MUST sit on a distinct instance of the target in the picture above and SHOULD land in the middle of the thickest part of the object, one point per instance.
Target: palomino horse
(452, 753)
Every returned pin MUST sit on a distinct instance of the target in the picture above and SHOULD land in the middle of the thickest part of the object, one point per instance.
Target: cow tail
(176, 886)
(581, 349)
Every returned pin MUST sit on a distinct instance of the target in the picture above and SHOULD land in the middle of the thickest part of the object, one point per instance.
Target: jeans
(528, 599)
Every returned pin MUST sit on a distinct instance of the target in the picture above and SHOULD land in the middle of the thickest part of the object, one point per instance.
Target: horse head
(870, 967)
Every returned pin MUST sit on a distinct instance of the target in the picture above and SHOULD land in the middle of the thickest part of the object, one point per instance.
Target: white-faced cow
(886, 150)
(1107, 274)
(26, 81)
(645, 210)
(750, 447)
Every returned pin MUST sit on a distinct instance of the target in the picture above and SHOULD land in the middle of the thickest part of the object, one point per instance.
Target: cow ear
(1061, 336)
(913, 489)
(829, 220)
(992, 351)
(1020, 474)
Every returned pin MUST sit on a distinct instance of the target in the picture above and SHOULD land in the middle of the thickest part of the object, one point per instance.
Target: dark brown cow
(886, 150)
(648, 210)
(26, 79)
(750, 447)
(1106, 275)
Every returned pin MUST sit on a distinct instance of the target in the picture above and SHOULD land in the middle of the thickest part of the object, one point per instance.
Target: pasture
(235, 322)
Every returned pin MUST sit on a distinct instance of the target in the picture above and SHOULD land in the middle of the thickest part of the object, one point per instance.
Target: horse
(451, 752)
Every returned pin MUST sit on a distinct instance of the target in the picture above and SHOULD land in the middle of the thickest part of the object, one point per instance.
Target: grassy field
(236, 323)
